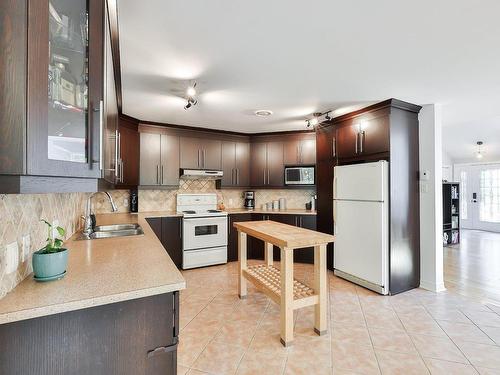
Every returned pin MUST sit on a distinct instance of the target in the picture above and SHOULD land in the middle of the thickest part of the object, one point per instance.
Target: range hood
(200, 174)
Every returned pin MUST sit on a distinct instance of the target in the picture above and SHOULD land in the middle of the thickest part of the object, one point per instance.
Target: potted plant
(49, 263)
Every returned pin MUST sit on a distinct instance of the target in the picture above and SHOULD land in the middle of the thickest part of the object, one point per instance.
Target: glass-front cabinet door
(65, 87)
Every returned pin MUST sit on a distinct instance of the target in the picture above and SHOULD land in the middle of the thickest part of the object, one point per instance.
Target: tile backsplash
(165, 200)
(20, 214)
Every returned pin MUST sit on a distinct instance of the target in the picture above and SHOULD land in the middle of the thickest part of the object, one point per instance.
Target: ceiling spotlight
(263, 113)
(479, 153)
(190, 93)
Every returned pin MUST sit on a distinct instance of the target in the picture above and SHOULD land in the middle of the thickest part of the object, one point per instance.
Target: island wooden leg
(242, 263)
(320, 288)
(268, 253)
(286, 308)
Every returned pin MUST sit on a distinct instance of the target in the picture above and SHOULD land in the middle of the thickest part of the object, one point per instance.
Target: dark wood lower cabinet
(114, 339)
(169, 232)
(232, 239)
(255, 247)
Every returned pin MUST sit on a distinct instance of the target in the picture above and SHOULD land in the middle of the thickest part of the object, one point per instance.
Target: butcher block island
(279, 284)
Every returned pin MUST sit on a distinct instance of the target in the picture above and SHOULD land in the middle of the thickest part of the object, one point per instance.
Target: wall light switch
(424, 187)
(26, 247)
(11, 257)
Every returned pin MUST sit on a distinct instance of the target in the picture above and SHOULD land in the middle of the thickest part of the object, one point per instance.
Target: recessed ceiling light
(263, 113)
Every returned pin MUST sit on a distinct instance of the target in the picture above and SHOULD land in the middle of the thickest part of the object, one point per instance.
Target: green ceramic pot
(51, 265)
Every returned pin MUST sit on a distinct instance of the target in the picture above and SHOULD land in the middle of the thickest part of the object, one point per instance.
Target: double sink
(113, 230)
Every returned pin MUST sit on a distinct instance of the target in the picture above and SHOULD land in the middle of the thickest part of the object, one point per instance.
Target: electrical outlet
(125, 202)
(26, 247)
(12, 257)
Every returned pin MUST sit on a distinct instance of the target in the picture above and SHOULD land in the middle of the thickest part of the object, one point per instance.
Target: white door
(361, 240)
(479, 196)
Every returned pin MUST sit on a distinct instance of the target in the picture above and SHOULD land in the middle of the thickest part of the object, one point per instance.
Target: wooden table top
(283, 235)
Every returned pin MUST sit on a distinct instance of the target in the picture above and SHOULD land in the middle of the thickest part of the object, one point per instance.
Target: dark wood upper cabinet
(363, 136)
(275, 165)
(169, 167)
(300, 151)
(235, 164)
(198, 153)
(347, 141)
(150, 159)
(51, 95)
(128, 154)
(159, 159)
(267, 164)
(258, 165)
(65, 87)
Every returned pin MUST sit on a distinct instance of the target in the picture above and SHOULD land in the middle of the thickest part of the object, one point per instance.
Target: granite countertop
(99, 272)
(288, 211)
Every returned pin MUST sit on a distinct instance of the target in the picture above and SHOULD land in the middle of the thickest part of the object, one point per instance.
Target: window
(490, 196)
(463, 195)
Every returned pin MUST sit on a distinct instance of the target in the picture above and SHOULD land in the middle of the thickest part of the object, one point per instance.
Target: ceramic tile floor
(417, 332)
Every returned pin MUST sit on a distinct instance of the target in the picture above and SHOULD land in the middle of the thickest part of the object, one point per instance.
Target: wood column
(286, 310)
(242, 263)
(320, 288)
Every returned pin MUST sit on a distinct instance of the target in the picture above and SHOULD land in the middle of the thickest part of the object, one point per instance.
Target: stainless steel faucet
(89, 223)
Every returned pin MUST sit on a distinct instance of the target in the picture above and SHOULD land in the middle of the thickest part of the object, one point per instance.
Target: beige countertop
(288, 211)
(99, 272)
(283, 235)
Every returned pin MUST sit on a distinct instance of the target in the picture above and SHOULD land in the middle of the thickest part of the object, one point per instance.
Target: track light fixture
(310, 123)
(190, 96)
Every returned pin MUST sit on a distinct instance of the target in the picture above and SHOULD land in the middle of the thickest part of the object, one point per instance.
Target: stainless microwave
(299, 175)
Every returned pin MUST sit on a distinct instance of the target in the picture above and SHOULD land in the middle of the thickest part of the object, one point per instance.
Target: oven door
(204, 232)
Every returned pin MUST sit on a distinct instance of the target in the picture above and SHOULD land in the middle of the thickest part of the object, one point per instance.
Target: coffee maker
(249, 199)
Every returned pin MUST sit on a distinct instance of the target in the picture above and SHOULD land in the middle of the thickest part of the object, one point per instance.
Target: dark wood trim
(394, 103)
(115, 50)
(13, 47)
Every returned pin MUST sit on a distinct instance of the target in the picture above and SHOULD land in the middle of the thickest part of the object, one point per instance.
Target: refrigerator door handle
(334, 187)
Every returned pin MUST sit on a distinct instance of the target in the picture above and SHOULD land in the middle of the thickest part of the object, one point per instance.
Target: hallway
(472, 268)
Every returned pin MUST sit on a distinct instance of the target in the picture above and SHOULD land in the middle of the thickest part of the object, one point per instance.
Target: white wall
(431, 210)
(447, 163)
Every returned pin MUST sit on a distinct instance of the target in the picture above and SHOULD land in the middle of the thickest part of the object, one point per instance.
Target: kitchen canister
(282, 204)
(276, 204)
(269, 205)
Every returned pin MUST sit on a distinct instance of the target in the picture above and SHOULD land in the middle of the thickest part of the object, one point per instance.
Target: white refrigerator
(361, 224)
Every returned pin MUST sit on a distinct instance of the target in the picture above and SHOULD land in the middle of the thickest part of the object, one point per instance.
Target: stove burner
(189, 212)
(214, 211)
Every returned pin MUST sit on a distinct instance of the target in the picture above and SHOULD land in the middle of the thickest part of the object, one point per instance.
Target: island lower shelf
(268, 280)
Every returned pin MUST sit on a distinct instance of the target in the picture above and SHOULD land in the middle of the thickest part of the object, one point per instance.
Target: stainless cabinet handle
(101, 135)
(334, 148)
(158, 175)
(117, 172)
(162, 175)
(204, 157)
(121, 171)
(356, 149)
(268, 176)
(264, 170)
(361, 141)
(237, 176)
(232, 176)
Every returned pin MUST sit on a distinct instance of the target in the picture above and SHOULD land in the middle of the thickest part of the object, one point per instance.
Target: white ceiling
(297, 57)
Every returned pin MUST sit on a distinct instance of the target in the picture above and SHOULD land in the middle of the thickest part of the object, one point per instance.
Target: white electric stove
(204, 230)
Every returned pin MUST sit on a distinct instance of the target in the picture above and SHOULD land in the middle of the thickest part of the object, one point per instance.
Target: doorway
(479, 196)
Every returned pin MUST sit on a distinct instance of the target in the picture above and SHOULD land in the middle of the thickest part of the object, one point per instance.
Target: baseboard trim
(433, 287)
